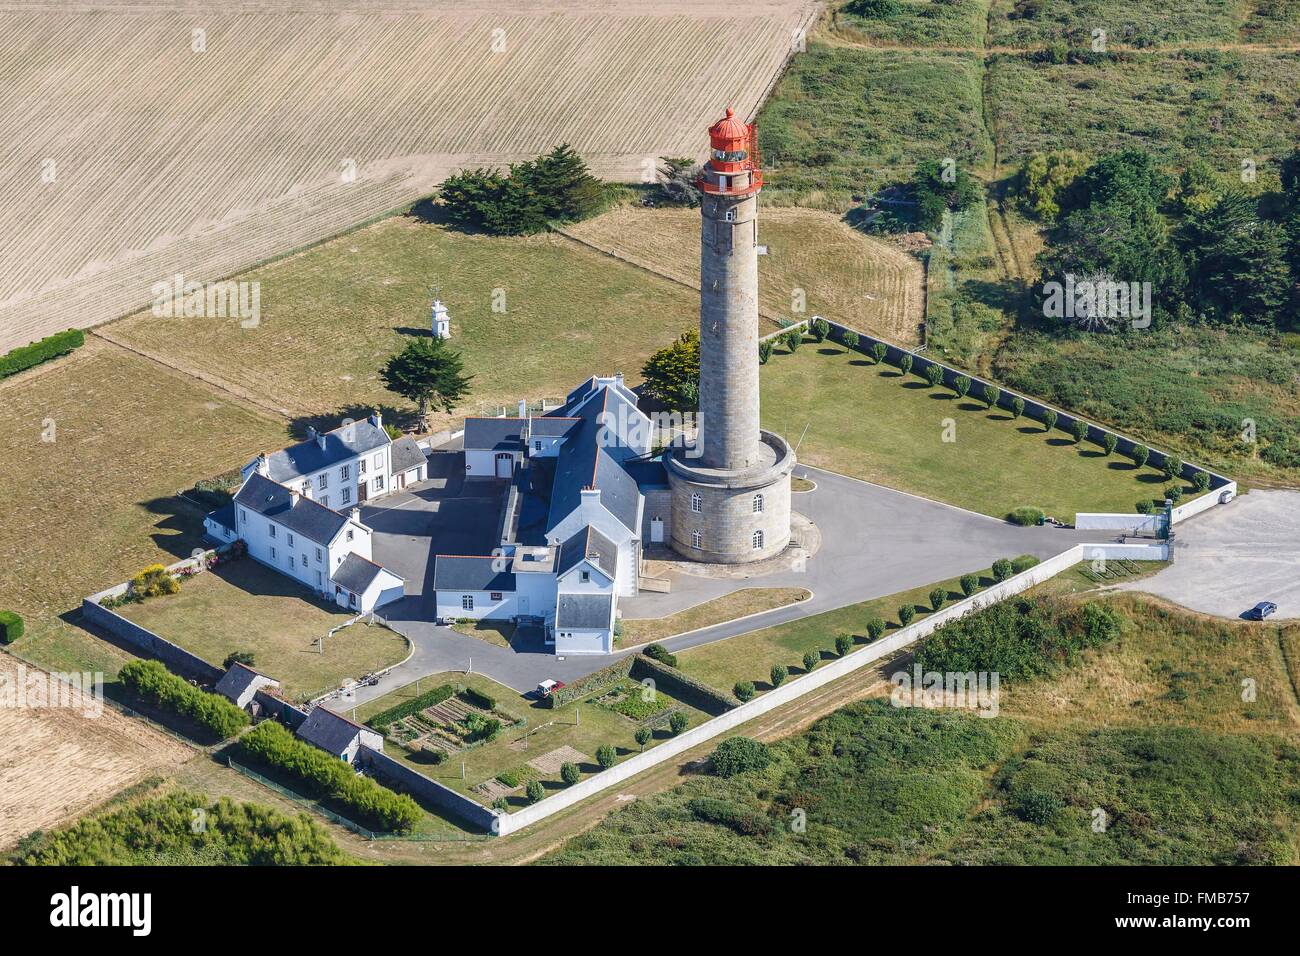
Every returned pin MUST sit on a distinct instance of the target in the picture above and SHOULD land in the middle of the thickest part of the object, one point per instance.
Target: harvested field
(268, 127)
(844, 275)
(59, 762)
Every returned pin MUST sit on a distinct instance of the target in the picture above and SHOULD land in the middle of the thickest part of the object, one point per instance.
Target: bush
(1108, 442)
(478, 699)
(555, 187)
(534, 791)
(658, 653)
(50, 347)
(1140, 454)
(678, 722)
(1017, 407)
(744, 690)
(779, 674)
(570, 773)
(937, 597)
(764, 352)
(1036, 806)
(906, 613)
(850, 339)
(961, 385)
(740, 820)
(1201, 481)
(793, 340)
(992, 395)
(878, 352)
(810, 660)
(429, 698)
(875, 628)
(330, 778)
(1144, 506)
(11, 627)
(606, 756)
(1172, 468)
(1026, 516)
(739, 755)
(154, 581)
(1002, 569)
(843, 644)
(1023, 563)
(1049, 420)
(642, 736)
(1079, 430)
(1174, 493)
(820, 329)
(905, 363)
(246, 658)
(151, 681)
(934, 375)
(970, 583)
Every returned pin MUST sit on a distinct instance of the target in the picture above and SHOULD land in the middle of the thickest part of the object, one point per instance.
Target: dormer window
(696, 539)
(584, 576)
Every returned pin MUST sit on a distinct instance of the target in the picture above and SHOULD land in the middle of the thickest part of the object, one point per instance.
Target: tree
(1002, 569)
(879, 351)
(743, 690)
(677, 177)
(1172, 468)
(793, 339)
(905, 363)
(779, 674)
(939, 185)
(642, 736)
(1144, 506)
(1140, 454)
(677, 722)
(1108, 443)
(606, 756)
(1017, 407)
(1045, 176)
(534, 791)
(969, 584)
(906, 613)
(1201, 480)
(843, 644)
(429, 373)
(739, 755)
(1128, 177)
(820, 329)
(992, 395)
(764, 352)
(239, 657)
(810, 660)
(1079, 429)
(1049, 420)
(937, 597)
(1237, 262)
(1174, 493)
(875, 628)
(672, 375)
(961, 385)
(934, 374)
(850, 339)
(570, 773)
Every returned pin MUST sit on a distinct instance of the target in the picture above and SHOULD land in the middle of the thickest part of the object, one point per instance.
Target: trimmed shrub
(934, 375)
(1002, 569)
(1023, 563)
(820, 329)
(534, 791)
(850, 339)
(1049, 420)
(642, 736)
(11, 627)
(906, 613)
(570, 773)
(50, 347)
(1108, 442)
(1172, 468)
(878, 352)
(606, 756)
(1140, 454)
(658, 653)
(1174, 493)
(1026, 515)
(151, 681)
(739, 755)
(970, 583)
(875, 628)
(1144, 506)
(793, 340)
(678, 722)
(843, 644)
(905, 363)
(961, 385)
(1017, 407)
(744, 690)
(330, 778)
(779, 674)
(1079, 430)
(430, 698)
(810, 660)
(937, 597)
(764, 352)
(1201, 481)
(992, 395)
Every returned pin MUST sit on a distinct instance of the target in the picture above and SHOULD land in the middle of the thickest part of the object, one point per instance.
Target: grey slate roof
(224, 516)
(498, 434)
(330, 731)
(552, 426)
(591, 544)
(311, 519)
(452, 572)
(344, 442)
(235, 681)
(406, 454)
(355, 574)
(583, 610)
(585, 461)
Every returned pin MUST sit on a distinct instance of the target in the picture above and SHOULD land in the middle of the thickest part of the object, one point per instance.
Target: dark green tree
(429, 373)
(672, 375)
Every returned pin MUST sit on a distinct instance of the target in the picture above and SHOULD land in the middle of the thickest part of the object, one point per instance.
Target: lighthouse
(730, 503)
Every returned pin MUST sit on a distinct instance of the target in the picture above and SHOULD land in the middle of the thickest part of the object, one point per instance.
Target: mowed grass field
(532, 316)
(874, 423)
(243, 606)
(98, 503)
(814, 262)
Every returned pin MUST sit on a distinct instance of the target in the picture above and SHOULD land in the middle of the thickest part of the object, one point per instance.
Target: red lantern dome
(733, 167)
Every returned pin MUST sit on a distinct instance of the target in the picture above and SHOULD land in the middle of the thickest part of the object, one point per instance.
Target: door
(361, 492)
(523, 605)
(656, 530)
(505, 464)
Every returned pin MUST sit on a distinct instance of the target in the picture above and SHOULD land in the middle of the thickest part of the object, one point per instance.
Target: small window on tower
(696, 538)
(697, 504)
(731, 215)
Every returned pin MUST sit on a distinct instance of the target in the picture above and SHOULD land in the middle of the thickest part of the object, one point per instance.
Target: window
(352, 599)
(731, 213)
(306, 488)
(304, 560)
(758, 503)
(378, 483)
(345, 472)
(758, 540)
(243, 515)
(293, 562)
(496, 595)
(467, 602)
(696, 538)
(320, 581)
(347, 495)
(584, 576)
(349, 534)
(273, 554)
(361, 467)
(379, 460)
(289, 542)
(325, 501)
(323, 481)
(537, 446)
(318, 555)
(697, 503)
(270, 530)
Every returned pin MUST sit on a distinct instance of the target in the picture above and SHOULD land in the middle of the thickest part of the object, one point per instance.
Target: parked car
(548, 686)
(1261, 610)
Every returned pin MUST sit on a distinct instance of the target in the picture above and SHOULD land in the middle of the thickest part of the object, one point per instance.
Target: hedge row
(478, 698)
(429, 698)
(330, 778)
(685, 688)
(50, 347)
(11, 627)
(153, 682)
(597, 680)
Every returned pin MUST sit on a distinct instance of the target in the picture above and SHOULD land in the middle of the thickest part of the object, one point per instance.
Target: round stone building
(731, 490)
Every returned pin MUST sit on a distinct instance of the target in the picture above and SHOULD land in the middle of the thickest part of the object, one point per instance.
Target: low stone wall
(422, 787)
(174, 656)
(686, 689)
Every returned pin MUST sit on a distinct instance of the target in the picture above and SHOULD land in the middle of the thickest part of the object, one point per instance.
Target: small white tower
(441, 320)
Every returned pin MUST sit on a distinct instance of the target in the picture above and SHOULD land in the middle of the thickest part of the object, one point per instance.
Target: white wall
(584, 641)
(1098, 521)
(482, 464)
(591, 512)
(1203, 503)
(449, 605)
(535, 594)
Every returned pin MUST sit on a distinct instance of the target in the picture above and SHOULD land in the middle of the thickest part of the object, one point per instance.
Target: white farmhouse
(339, 468)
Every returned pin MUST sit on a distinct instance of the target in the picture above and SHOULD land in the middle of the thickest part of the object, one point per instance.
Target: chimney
(294, 495)
(262, 468)
(377, 419)
(355, 514)
(320, 440)
(523, 408)
(618, 379)
(311, 432)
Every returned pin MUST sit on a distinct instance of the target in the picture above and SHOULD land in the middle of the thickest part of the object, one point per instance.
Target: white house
(339, 468)
(337, 735)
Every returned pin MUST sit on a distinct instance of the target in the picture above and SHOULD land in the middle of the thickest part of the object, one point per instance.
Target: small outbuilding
(241, 683)
(337, 735)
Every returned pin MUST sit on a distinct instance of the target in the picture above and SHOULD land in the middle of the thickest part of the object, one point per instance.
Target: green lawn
(874, 423)
(244, 606)
(581, 725)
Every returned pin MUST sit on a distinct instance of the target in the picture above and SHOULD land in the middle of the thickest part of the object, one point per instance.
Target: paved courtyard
(1231, 558)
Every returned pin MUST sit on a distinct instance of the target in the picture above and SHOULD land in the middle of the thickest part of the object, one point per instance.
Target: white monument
(441, 320)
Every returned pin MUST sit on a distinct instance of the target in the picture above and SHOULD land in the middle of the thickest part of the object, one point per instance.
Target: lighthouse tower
(731, 493)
